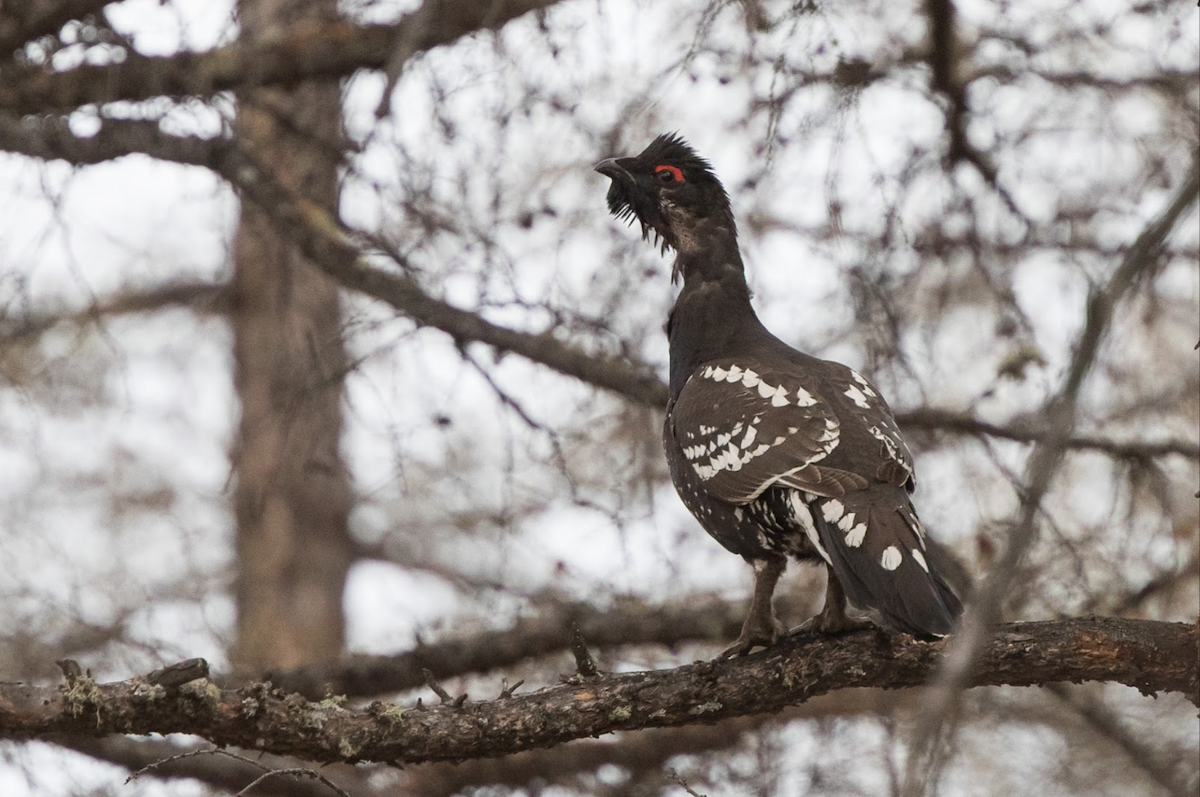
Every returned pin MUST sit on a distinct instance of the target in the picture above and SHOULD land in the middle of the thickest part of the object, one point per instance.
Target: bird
(778, 454)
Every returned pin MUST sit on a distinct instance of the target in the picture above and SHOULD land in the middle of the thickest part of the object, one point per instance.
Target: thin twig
(585, 665)
(297, 773)
(675, 778)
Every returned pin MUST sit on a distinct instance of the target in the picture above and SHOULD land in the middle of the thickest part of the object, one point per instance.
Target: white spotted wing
(894, 461)
(743, 428)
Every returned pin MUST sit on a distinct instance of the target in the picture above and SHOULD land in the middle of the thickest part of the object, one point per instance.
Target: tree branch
(933, 419)
(202, 296)
(305, 51)
(1148, 655)
(50, 138)
(25, 21)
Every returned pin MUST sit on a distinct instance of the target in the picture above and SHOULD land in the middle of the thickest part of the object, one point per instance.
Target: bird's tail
(876, 546)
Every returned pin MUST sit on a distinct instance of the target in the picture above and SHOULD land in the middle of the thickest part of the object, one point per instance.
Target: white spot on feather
(804, 398)
(856, 395)
(920, 557)
(854, 536)
(748, 440)
(846, 522)
(733, 457)
(832, 510)
(800, 508)
(750, 379)
(734, 375)
(891, 558)
(862, 380)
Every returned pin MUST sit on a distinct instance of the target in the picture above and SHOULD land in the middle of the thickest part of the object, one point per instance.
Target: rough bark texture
(1148, 655)
(293, 491)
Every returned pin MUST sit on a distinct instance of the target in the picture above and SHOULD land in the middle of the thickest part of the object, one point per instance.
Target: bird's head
(671, 191)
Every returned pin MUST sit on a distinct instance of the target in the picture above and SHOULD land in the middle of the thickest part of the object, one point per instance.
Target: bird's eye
(668, 174)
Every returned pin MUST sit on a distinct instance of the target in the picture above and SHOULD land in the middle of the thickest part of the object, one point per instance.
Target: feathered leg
(832, 618)
(761, 628)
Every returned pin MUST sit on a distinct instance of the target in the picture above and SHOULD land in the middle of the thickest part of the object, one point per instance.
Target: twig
(585, 665)
(295, 772)
(179, 674)
(214, 751)
(675, 778)
(442, 694)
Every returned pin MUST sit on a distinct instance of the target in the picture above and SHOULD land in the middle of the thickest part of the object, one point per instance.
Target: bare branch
(25, 21)
(166, 760)
(1148, 655)
(946, 79)
(50, 138)
(310, 50)
(201, 296)
(932, 419)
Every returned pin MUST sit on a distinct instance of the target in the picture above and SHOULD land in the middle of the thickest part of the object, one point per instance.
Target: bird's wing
(743, 428)
(885, 447)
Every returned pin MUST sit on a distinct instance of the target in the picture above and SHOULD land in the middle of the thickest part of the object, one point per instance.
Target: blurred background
(208, 447)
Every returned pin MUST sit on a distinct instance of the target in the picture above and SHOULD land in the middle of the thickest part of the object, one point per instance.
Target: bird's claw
(755, 636)
(829, 624)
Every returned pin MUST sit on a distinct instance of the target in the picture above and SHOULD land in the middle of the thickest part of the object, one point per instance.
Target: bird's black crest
(634, 194)
(673, 149)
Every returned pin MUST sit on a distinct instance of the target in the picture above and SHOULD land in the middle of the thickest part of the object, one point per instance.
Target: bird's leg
(832, 618)
(760, 628)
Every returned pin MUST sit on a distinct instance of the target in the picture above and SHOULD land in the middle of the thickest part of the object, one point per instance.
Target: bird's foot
(755, 635)
(829, 624)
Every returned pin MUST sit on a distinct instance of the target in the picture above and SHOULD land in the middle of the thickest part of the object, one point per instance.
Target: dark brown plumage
(775, 452)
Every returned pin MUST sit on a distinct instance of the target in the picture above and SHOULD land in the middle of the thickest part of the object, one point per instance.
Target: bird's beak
(612, 169)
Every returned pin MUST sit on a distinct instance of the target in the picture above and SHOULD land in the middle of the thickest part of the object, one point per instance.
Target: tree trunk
(293, 491)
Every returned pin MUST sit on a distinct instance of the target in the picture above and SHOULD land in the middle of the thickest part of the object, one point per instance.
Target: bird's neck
(712, 317)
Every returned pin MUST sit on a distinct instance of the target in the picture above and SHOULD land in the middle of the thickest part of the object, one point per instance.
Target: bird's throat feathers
(705, 254)
(711, 315)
